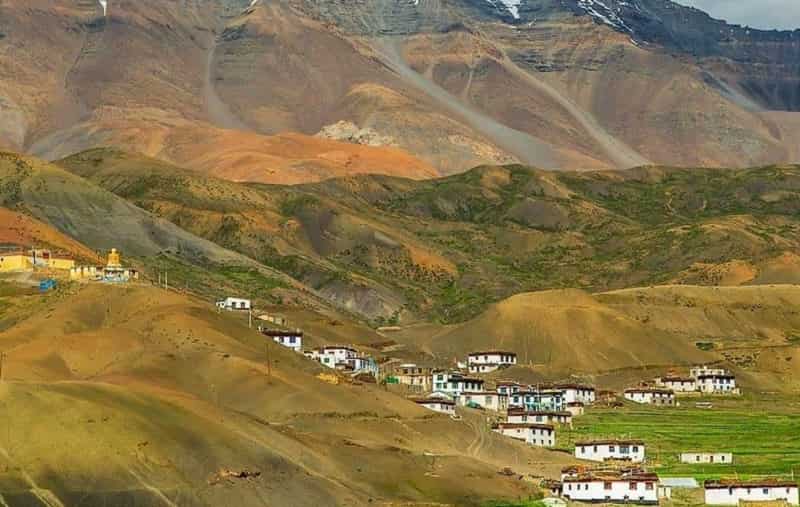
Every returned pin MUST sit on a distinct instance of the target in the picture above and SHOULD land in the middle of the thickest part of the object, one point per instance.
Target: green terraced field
(763, 434)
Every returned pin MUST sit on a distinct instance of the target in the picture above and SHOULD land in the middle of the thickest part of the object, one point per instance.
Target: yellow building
(15, 261)
(61, 263)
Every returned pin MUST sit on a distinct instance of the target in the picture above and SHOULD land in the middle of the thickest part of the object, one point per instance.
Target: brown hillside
(151, 397)
(557, 333)
(19, 229)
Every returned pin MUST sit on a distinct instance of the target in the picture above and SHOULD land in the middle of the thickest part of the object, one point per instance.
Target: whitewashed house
(234, 304)
(489, 361)
(696, 371)
(508, 388)
(521, 416)
(538, 399)
(635, 487)
(577, 393)
(729, 492)
(441, 405)
(717, 458)
(678, 384)
(455, 383)
(717, 383)
(603, 450)
(650, 395)
(333, 356)
(540, 435)
(289, 339)
(489, 400)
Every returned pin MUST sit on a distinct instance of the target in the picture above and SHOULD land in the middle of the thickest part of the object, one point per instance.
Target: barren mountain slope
(454, 82)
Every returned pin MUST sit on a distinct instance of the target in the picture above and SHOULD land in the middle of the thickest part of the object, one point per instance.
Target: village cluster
(615, 469)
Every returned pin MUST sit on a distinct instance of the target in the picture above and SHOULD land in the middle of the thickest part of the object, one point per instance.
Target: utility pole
(250, 318)
(269, 363)
(166, 282)
(2, 358)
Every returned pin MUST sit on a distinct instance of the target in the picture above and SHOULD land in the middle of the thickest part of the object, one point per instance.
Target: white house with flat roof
(702, 369)
(634, 487)
(650, 395)
(539, 435)
(489, 361)
(520, 415)
(538, 399)
(603, 450)
(716, 458)
(577, 393)
(289, 339)
(677, 384)
(234, 304)
(441, 405)
(508, 388)
(717, 383)
(455, 383)
(731, 492)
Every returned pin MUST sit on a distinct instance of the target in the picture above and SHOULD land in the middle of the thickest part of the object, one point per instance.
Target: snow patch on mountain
(601, 12)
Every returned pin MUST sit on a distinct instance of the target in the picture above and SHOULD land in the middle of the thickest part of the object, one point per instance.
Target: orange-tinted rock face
(458, 84)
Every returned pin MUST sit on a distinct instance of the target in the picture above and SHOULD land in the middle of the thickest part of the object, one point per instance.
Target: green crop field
(763, 434)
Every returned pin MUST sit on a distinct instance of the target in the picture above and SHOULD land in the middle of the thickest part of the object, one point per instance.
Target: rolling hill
(394, 249)
(154, 398)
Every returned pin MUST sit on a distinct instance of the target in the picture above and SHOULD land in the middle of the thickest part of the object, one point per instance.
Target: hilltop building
(650, 396)
(289, 339)
(733, 492)
(489, 361)
(539, 435)
(604, 450)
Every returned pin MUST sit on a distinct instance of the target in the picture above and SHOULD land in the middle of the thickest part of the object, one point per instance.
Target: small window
(648, 486)
(611, 448)
(607, 485)
(632, 486)
(765, 491)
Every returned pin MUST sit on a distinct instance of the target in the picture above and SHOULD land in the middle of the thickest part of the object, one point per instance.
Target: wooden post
(2, 358)
(269, 362)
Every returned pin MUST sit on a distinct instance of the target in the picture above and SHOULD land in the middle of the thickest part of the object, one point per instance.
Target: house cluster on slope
(701, 380)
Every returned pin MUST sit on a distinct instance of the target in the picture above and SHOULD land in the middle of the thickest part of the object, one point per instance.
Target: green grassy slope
(759, 430)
